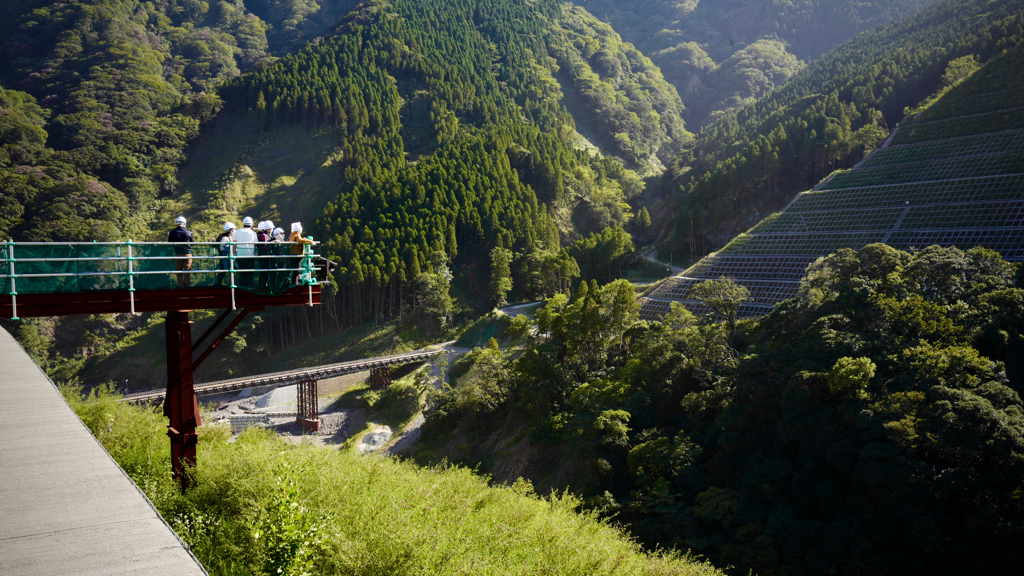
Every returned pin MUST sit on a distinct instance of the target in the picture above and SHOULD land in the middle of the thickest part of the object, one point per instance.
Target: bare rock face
(374, 440)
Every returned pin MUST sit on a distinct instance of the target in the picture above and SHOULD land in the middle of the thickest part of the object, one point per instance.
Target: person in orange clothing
(298, 249)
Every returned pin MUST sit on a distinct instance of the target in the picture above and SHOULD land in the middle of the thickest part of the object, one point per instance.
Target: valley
(759, 262)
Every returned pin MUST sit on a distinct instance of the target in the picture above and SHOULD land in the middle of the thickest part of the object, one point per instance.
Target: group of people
(257, 252)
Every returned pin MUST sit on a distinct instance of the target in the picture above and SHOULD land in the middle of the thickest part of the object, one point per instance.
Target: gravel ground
(335, 427)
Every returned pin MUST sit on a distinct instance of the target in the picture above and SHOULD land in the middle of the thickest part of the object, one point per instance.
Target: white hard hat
(278, 231)
(229, 226)
(262, 225)
(296, 226)
(270, 224)
(180, 220)
(246, 221)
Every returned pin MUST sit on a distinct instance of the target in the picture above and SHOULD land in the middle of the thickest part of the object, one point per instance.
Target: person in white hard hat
(263, 239)
(225, 239)
(245, 250)
(182, 252)
(299, 248)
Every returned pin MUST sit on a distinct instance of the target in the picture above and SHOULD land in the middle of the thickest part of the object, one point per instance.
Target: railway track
(288, 377)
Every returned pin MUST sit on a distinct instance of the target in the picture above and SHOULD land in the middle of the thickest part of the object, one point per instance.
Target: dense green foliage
(263, 506)
(435, 153)
(122, 88)
(721, 55)
(873, 425)
(826, 117)
(631, 110)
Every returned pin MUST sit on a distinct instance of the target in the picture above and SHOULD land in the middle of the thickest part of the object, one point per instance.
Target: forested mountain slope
(616, 91)
(723, 54)
(114, 92)
(416, 138)
(452, 139)
(951, 175)
(826, 117)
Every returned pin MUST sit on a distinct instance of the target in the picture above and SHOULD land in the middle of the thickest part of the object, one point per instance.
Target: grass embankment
(259, 504)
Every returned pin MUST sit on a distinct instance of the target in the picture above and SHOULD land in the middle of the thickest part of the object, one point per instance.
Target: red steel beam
(119, 301)
(227, 331)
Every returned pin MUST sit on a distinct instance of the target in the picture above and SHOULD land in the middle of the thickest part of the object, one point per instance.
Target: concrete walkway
(65, 506)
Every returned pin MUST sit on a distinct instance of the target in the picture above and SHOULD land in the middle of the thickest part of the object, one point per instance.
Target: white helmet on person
(229, 226)
(262, 225)
(296, 226)
(246, 221)
(278, 231)
(270, 224)
(180, 220)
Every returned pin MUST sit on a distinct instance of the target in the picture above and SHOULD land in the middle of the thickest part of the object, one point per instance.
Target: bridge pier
(307, 414)
(380, 378)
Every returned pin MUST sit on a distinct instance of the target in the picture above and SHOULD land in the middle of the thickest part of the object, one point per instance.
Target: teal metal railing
(69, 267)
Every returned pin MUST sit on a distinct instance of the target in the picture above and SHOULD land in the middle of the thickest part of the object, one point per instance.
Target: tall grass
(262, 506)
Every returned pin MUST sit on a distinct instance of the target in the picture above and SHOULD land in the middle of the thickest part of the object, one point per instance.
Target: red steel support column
(180, 404)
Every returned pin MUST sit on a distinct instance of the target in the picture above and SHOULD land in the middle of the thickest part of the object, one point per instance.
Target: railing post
(309, 269)
(14, 290)
(131, 277)
(231, 270)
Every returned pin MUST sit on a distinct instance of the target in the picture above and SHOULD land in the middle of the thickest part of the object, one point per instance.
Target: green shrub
(400, 402)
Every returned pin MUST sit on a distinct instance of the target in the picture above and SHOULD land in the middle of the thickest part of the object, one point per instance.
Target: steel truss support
(380, 378)
(180, 404)
(308, 413)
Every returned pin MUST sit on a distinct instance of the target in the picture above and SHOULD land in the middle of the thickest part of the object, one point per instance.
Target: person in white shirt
(245, 240)
(225, 240)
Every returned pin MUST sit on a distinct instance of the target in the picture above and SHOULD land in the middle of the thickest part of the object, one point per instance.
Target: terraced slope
(953, 175)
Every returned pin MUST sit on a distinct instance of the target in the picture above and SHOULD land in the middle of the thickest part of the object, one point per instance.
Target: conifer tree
(501, 275)
(643, 221)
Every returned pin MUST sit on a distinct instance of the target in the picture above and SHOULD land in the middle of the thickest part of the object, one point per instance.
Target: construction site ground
(343, 412)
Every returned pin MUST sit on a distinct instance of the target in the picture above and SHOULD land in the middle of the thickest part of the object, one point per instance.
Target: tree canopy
(872, 424)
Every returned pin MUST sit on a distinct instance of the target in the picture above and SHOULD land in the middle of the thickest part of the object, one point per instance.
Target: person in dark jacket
(182, 252)
(279, 249)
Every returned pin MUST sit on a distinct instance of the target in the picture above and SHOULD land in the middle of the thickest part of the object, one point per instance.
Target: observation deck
(68, 278)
